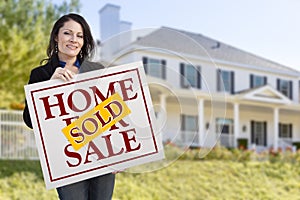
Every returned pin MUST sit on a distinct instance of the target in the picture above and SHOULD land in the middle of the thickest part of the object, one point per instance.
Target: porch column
(236, 123)
(276, 121)
(201, 131)
(162, 111)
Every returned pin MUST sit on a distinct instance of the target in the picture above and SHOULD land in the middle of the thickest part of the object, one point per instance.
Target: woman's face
(69, 40)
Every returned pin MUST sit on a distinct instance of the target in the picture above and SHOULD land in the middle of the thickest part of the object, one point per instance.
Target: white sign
(131, 140)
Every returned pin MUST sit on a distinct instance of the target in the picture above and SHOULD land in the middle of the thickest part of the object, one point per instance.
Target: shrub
(242, 143)
(174, 152)
(297, 144)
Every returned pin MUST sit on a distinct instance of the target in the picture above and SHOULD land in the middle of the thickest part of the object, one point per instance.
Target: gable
(269, 94)
(265, 94)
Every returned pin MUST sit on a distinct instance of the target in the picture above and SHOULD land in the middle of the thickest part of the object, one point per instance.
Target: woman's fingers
(67, 74)
(63, 74)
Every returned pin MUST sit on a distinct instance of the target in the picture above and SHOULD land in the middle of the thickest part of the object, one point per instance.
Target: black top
(45, 72)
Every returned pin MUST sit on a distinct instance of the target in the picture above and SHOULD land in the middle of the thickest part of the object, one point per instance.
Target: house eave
(216, 62)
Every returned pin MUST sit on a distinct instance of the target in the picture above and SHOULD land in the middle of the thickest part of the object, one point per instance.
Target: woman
(70, 44)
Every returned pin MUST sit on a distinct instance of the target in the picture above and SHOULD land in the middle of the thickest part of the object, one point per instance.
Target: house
(206, 92)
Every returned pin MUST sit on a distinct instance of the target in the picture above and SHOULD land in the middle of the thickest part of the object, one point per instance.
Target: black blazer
(44, 73)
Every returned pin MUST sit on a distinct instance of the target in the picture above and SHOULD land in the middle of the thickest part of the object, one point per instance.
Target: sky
(267, 28)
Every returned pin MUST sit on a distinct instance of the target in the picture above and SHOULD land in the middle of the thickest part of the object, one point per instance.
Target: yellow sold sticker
(96, 121)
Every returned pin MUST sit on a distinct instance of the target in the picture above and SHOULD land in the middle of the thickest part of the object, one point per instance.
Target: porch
(262, 117)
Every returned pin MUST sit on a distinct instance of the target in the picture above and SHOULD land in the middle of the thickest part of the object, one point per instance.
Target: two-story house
(204, 91)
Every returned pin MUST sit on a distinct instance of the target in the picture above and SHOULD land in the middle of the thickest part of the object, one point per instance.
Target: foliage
(242, 143)
(297, 144)
(24, 28)
(183, 179)
(212, 180)
(237, 155)
(216, 153)
(23, 180)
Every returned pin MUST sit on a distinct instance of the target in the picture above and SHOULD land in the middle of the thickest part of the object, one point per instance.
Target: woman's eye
(80, 36)
(66, 33)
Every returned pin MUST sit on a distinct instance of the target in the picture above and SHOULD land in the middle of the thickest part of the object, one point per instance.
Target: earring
(56, 48)
(80, 54)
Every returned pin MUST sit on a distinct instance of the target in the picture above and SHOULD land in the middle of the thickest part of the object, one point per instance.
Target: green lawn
(181, 179)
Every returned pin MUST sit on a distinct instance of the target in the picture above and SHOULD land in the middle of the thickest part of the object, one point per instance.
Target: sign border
(98, 167)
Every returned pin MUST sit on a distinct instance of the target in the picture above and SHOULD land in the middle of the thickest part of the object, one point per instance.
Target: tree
(25, 27)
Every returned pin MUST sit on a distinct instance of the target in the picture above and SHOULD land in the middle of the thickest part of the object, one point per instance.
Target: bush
(173, 152)
(297, 144)
(242, 143)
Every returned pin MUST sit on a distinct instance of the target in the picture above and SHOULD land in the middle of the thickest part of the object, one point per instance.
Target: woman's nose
(74, 38)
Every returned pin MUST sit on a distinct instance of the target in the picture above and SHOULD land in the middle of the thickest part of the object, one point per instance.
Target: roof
(184, 42)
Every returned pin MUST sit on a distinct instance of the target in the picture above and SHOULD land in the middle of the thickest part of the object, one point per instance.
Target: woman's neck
(70, 63)
(68, 60)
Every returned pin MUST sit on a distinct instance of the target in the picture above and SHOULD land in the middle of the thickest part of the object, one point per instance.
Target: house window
(189, 123)
(285, 131)
(285, 87)
(225, 81)
(256, 81)
(224, 126)
(189, 128)
(259, 133)
(155, 67)
(190, 76)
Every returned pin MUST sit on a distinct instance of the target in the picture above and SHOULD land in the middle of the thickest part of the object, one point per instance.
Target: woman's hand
(63, 74)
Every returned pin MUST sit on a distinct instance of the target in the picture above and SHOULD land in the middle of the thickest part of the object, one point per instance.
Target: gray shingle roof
(180, 41)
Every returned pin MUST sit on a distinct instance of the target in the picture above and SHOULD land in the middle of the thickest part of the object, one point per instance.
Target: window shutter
(291, 89)
(291, 130)
(279, 130)
(278, 84)
(265, 80)
(145, 62)
(252, 132)
(182, 74)
(232, 82)
(251, 81)
(197, 124)
(219, 80)
(199, 77)
(163, 65)
(182, 122)
(265, 133)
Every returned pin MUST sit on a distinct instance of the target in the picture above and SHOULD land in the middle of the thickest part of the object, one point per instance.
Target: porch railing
(188, 138)
(16, 140)
(286, 143)
(191, 139)
(226, 140)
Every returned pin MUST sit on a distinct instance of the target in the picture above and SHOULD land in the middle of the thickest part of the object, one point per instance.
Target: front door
(259, 133)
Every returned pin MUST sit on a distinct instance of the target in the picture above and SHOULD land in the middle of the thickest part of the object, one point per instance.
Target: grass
(181, 179)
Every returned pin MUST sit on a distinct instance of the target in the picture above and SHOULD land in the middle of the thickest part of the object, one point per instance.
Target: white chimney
(109, 21)
(115, 33)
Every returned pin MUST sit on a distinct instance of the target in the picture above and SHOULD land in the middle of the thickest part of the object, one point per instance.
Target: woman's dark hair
(88, 41)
